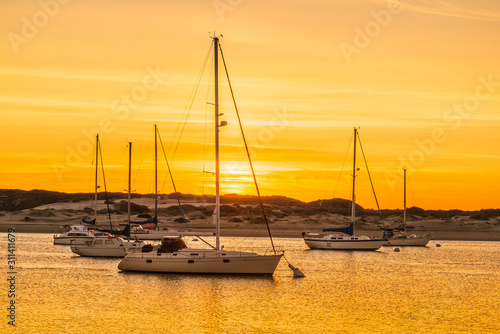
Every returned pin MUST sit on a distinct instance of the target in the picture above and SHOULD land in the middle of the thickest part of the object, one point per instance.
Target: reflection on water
(418, 290)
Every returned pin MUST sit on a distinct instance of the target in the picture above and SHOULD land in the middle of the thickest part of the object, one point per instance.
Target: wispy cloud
(471, 10)
(454, 9)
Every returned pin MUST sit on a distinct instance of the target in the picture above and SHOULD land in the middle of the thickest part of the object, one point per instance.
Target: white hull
(147, 235)
(78, 234)
(63, 240)
(368, 244)
(408, 241)
(98, 252)
(200, 261)
(105, 247)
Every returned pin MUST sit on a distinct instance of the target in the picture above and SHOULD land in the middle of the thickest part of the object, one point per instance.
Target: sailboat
(137, 231)
(348, 240)
(401, 238)
(106, 244)
(80, 234)
(176, 257)
(77, 234)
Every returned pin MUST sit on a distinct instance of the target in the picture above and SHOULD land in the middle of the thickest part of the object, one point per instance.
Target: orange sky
(420, 78)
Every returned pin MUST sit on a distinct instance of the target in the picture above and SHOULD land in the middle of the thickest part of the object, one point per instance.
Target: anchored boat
(179, 258)
(348, 240)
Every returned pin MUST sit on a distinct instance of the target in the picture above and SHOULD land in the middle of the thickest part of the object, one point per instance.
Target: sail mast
(96, 170)
(156, 177)
(354, 184)
(129, 177)
(217, 196)
(404, 211)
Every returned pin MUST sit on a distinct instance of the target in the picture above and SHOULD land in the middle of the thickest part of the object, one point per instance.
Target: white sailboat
(178, 258)
(398, 236)
(105, 244)
(77, 234)
(80, 234)
(137, 231)
(348, 240)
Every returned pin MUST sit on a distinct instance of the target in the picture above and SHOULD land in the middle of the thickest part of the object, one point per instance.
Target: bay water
(449, 289)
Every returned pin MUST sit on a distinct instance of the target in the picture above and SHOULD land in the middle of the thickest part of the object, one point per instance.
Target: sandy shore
(54, 217)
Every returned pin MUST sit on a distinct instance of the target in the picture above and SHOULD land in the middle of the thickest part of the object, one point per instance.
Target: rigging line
(371, 182)
(206, 125)
(105, 187)
(350, 206)
(191, 95)
(139, 169)
(412, 189)
(190, 104)
(209, 244)
(338, 179)
(88, 177)
(248, 152)
(162, 187)
(252, 235)
(171, 177)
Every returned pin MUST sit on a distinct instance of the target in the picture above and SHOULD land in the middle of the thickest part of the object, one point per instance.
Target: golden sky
(420, 78)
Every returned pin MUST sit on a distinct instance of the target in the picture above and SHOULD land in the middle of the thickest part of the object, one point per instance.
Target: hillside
(15, 200)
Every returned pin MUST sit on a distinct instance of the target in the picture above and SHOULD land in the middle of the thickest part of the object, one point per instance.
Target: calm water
(450, 289)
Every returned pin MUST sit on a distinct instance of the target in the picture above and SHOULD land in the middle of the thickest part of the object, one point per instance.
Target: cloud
(446, 8)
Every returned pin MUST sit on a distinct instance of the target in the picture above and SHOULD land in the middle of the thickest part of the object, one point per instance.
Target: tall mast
(354, 183)
(156, 177)
(404, 211)
(129, 177)
(96, 169)
(217, 197)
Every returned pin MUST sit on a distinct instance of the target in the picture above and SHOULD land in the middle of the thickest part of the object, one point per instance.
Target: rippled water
(449, 289)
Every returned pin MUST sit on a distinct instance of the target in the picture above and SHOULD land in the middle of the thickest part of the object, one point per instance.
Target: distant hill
(16, 200)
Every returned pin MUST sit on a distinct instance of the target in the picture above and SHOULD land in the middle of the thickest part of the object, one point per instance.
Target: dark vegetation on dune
(12, 200)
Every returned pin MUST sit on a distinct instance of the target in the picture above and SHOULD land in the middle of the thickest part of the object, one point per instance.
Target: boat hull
(418, 241)
(368, 245)
(102, 247)
(98, 252)
(200, 262)
(147, 235)
(62, 240)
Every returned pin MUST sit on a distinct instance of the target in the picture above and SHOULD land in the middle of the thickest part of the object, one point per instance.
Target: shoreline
(442, 235)
(245, 221)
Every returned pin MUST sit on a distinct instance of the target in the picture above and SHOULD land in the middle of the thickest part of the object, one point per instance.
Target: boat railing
(277, 250)
(199, 253)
